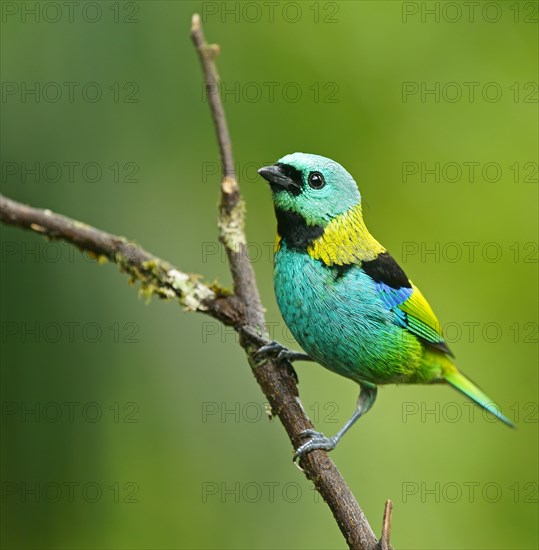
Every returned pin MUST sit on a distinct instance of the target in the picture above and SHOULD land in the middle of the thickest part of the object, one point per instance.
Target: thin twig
(386, 526)
(207, 53)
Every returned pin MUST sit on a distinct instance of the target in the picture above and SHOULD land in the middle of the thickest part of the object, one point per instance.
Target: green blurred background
(150, 430)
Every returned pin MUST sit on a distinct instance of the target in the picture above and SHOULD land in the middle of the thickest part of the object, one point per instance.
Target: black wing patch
(385, 269)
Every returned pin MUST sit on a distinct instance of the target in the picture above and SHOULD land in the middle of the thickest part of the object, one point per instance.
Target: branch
(279, 387)
(231, 208)
(242, 310)
(155, 275)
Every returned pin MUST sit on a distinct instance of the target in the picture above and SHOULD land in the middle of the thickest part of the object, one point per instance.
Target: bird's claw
(269, 349)
(281, 353)
(311, 433)
(283, 356)
(317, 441)
(273, 349)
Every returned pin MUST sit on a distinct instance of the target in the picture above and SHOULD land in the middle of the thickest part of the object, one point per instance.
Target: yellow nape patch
(346, 240)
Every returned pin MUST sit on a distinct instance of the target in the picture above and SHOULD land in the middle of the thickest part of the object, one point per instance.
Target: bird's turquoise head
(316, 188)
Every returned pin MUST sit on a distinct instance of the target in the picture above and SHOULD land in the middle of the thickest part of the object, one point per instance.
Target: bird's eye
(316, 180)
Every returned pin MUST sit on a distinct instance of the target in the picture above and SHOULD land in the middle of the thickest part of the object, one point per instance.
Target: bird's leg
(365, 401)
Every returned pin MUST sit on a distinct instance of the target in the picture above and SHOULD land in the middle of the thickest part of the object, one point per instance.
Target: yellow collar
(346, 240)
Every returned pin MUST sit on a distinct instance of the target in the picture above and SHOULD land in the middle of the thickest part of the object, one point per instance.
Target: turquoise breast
(337, 317)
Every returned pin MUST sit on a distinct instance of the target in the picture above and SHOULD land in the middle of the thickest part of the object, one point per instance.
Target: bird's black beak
(276, 177)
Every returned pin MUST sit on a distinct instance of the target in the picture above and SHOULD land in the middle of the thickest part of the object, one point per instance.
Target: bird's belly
(339, 320)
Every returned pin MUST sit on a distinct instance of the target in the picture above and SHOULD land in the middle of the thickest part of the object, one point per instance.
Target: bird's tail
(467, 387)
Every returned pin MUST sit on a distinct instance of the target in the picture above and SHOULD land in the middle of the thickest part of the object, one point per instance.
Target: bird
(345, 299)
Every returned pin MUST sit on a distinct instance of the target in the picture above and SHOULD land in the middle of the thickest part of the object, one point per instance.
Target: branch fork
(241, 309)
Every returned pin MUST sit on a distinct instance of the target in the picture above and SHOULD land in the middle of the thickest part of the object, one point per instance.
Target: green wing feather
(421, 320)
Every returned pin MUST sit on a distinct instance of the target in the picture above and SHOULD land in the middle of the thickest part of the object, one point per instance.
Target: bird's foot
(274, 349)
(283, 356)
(318, 441)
